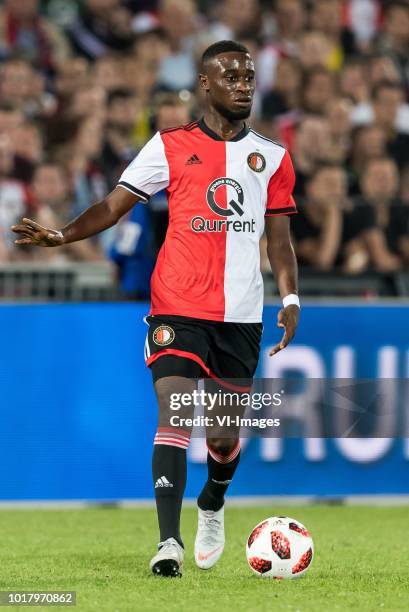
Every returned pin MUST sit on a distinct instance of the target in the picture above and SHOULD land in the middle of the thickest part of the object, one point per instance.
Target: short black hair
(396, 4)
(385, 84)
(378, 158)
(321, 167)
(120, 93)
(223, 46)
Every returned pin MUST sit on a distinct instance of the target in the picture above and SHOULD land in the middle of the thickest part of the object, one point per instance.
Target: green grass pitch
(361, 561)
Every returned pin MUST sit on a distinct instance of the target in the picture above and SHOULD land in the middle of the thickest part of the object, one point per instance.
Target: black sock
(169, 477)
(219, 478)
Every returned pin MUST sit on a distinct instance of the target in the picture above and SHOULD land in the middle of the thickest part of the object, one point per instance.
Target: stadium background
(82, 87)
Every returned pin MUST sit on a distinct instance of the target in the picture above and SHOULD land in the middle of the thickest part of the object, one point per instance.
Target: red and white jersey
(218, 193)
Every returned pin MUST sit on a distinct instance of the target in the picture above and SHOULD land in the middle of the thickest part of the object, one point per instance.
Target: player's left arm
(284, 266)
(280, 203)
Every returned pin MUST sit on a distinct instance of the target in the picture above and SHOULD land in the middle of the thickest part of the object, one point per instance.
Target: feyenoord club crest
(256, 161)
(163, 335)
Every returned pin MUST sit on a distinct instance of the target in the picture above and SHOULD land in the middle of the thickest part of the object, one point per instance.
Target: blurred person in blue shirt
(133, 254)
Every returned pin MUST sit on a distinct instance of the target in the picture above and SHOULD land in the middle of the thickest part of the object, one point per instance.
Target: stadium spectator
(87, 102)
(178, 19)
(328, 229)
(52, 193)
(394, 39)
(102, 26)
(81, 158)
(71, 76)
(142, 80)
(318, 90)
(353, 82)
(25, 32)
(151, 48)
(326, 16)
(285, 95)
(363, 18)
(235, 19)
(27, 141)
(289, 20)
(119, 148)
(315, 50)
(23, 88)
(107, 73)
(381, 70)
(15, 199)
(170, 110)
(368, 142)
(312, 145)
(10, 119)
(28, 150)
(338, 112)
(387, 99)
(388, 247)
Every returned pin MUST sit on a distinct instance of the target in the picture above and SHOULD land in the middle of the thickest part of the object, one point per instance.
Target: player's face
(230, 82)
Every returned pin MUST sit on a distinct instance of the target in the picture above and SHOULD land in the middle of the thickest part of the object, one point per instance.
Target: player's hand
(32, 233)
(288, 319)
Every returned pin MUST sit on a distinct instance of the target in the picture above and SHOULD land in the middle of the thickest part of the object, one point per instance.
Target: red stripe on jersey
(200, 293)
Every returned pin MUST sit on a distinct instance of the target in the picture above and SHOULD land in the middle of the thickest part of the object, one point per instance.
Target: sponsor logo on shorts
(256, 161)
(163, 335)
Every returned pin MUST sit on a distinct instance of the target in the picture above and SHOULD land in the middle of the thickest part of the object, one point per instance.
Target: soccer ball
(279, 547)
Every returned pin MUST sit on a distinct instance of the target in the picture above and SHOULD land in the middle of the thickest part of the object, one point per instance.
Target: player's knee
(222, 446)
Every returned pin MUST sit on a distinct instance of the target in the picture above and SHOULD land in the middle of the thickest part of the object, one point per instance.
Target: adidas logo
(193, 160)
(163, 482)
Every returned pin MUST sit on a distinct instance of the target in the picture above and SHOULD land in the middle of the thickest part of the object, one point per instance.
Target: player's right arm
(147, 174)
(99, 217)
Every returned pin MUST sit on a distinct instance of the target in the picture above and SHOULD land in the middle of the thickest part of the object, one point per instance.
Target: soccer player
(225, 185)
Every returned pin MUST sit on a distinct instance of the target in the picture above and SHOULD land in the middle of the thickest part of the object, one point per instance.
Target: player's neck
(225, 128)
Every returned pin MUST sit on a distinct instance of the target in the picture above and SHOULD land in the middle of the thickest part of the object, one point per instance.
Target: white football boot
(209, 543)
(168, 561)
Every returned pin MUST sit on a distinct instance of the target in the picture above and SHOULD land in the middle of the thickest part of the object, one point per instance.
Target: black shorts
(196, 348)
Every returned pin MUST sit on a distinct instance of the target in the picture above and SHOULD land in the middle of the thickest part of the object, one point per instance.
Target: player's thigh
(173, 394)
(234, 351)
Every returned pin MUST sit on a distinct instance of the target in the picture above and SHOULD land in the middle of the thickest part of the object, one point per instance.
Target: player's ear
(204, 82)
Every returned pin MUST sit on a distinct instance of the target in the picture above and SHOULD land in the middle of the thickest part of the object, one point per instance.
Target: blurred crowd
(83, 85)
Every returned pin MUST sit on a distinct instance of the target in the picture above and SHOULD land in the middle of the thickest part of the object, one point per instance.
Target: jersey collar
(205, 128)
